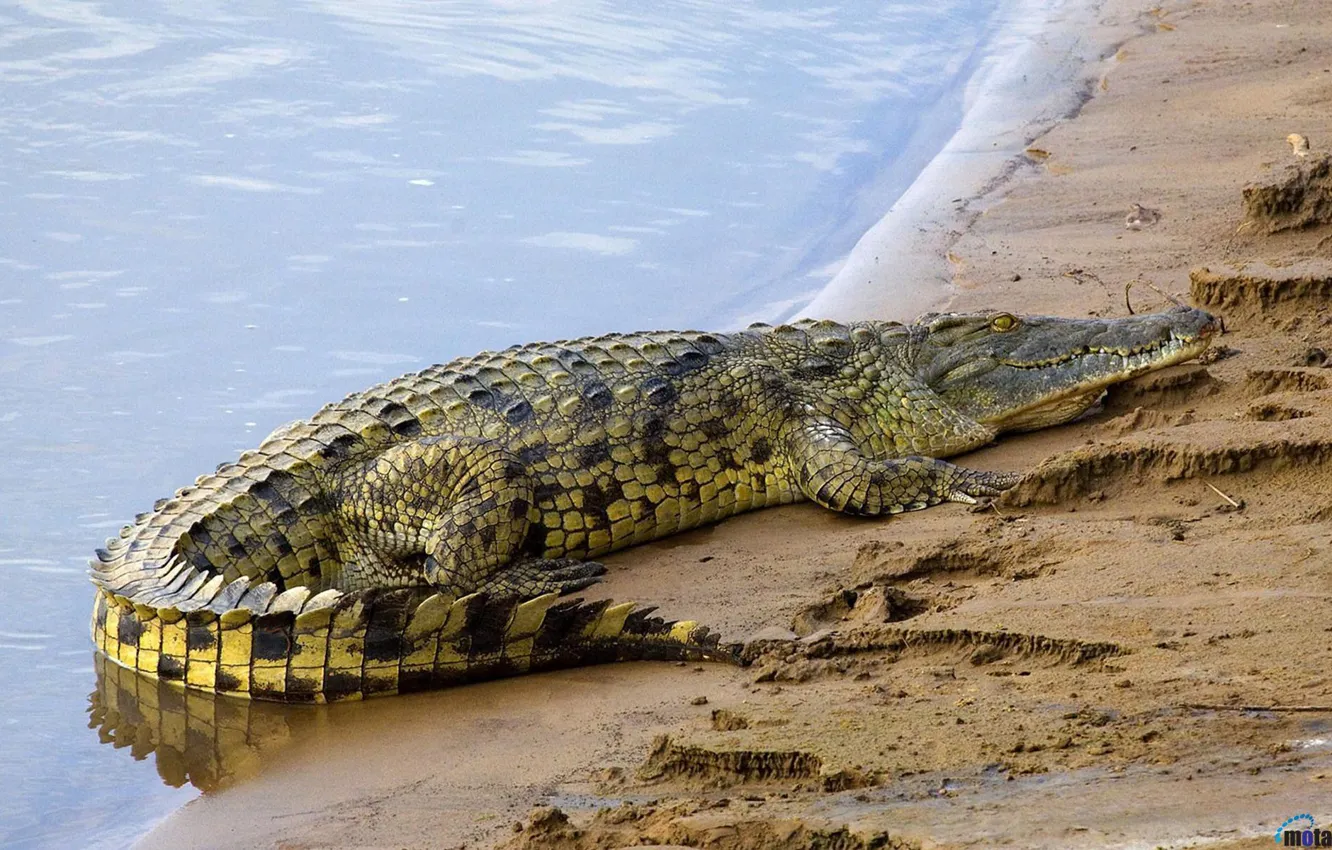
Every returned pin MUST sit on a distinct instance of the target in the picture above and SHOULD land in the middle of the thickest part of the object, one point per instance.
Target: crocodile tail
(340, 646)
(262, 517)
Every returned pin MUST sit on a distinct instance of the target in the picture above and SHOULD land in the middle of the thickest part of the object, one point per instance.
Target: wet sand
(1117, 655)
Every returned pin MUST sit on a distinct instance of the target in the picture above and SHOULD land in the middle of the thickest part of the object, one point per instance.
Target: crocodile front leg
(452, 512)
(832, 471)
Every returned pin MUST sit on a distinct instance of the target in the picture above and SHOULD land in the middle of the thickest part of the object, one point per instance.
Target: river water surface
(216, 220)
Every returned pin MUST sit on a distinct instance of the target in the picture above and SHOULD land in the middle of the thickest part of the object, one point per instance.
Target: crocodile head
(1019, 373)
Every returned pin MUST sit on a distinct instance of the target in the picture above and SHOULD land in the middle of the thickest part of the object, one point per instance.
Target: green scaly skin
(419, 533)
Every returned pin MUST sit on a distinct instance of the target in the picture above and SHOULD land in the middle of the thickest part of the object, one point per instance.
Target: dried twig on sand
(1224, 496)
(1209, 706)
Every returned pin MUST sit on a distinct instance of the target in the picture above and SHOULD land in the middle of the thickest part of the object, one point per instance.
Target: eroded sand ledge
(1068, 671)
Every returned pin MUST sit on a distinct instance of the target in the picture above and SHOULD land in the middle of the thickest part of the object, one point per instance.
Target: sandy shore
(1030, 75)
(1069, 670)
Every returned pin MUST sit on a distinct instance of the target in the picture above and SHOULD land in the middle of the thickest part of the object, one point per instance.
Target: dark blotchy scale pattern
(419, 532)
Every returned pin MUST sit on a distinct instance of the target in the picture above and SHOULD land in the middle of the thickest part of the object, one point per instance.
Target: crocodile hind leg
(832, 471)
(452, 512)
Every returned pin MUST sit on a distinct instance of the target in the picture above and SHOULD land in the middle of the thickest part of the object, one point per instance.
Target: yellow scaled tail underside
(384, 642)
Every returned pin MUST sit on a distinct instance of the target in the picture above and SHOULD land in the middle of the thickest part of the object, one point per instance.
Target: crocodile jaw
(1098, 370)
(1050, 371)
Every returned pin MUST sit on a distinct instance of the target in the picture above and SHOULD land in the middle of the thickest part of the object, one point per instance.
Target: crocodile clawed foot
(975, 487)
(530, 579)
(571, 575)
(981, 506)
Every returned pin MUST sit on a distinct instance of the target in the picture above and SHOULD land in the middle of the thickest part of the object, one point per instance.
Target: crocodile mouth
(1089, 371)
(1113, 362)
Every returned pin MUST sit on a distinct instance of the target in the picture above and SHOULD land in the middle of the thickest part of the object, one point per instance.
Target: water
(216, 220)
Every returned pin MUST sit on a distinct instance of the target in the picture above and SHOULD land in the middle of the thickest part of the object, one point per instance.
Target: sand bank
(1119, 655)
(1033, 71)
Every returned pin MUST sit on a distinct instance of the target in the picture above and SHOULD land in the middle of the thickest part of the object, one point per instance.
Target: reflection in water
(203, 739)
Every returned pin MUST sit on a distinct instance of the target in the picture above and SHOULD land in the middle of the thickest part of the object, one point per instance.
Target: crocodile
(426, 531)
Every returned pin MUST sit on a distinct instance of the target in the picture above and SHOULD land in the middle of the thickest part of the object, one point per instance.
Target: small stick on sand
(1208, 706)
(1173, 299)
(1224, 496)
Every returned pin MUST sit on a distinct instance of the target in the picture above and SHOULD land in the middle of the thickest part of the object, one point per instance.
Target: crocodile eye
(1003, 322)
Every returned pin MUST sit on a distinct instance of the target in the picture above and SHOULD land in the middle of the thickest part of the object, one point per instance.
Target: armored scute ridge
(421, 533)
